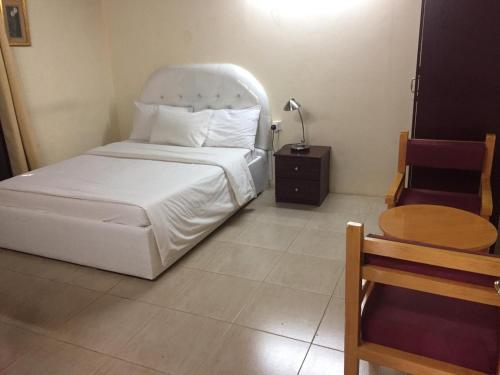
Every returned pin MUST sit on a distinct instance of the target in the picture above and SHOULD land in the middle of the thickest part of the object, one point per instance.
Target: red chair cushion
(446, 329)
(463, 201)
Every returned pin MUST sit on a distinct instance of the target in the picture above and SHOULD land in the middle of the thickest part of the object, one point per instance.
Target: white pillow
(144, 116)
(233, 127)
(172, 127)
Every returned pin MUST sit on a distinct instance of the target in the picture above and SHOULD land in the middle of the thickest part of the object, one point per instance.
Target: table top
(313, 152)
(440, 226)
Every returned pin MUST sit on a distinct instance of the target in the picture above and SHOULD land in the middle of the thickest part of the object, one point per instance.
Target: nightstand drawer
(296, 167)
(297, 191)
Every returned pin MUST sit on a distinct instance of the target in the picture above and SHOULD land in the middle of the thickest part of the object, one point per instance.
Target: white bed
(136, 208)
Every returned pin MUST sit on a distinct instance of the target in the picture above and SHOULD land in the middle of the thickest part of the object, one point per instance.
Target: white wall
(66, 77)
(349, 62)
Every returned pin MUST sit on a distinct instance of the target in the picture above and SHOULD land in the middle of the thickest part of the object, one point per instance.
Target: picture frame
(15, 18)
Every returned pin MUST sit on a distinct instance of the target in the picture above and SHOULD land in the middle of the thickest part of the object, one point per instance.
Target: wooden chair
(461, 155)
(419, 318)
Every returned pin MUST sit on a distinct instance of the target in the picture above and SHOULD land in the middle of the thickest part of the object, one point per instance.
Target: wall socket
(276, 126)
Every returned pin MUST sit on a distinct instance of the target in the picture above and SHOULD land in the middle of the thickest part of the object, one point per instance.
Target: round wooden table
(440, 226)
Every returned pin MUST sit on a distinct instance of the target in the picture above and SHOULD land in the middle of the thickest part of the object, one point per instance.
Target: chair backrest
(443, 272)
(424, 268)
(467, 156)
(447, 154)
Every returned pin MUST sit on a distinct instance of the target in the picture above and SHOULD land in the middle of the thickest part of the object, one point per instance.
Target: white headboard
(213, 86)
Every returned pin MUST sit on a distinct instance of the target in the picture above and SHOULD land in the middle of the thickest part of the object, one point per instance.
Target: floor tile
(117, 367)
(16, 343)
(200, 292)
(38, 266)
(265, 199)
(175, 342)
(284, 311)
(323, 361)
(215, 296)
(60, 271)
(57, 358)
(268, 235)
(201, 255)
(320, 243)
(366, 368)
(242, 260)
(371, 221)
(332, 222)
(378, 206)
(249, 352)
(171, 284)
(339, 291)
(8, 259)
(285, 216)
(298, 250)
(14, 287)
(235, 225)
(356, 205)
(49, 305)
(107, 324)
(371, 226)
(98, 280)
(307, 273)
(295, 206)
(331, 330)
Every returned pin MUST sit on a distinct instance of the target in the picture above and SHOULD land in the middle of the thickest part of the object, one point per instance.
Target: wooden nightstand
(302, 177)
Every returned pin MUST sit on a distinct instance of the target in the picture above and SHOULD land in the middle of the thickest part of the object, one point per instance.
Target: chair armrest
(486, 199)
(395, 189)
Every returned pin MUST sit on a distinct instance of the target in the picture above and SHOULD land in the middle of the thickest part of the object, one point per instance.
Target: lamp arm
(302, 122)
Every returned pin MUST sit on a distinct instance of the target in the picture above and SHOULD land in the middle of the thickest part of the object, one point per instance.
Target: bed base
(113, 247)
(108, 246)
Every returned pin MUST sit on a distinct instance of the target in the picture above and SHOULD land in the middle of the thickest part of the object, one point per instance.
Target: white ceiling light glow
(298, 8)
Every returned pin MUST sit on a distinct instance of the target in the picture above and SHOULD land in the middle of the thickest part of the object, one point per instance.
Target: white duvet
(184, 191)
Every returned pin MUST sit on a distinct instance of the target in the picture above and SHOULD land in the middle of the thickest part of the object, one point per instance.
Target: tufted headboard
(213, 86)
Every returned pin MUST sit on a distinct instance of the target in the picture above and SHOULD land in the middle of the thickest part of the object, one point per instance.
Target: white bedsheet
(184, 191)
(106, 212)
(234, 166)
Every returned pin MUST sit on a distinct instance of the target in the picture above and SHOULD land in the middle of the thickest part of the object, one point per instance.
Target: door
(5, 171)
(457, 90)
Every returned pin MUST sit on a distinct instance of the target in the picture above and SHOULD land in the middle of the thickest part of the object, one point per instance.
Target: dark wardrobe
(457, 88)
(5, 171)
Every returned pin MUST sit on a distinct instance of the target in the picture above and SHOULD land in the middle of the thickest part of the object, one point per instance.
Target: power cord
(273, 131)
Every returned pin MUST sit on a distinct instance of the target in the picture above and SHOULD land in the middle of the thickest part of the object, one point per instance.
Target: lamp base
(300, 147)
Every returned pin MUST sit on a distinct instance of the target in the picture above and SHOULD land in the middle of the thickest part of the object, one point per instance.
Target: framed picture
(16, 22)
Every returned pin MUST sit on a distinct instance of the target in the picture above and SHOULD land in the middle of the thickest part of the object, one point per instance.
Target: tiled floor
(262, 295)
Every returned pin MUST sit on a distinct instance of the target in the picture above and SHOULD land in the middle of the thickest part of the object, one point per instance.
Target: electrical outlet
(276, 126)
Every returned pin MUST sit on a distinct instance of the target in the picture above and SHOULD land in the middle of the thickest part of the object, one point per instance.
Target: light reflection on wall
(305, 8)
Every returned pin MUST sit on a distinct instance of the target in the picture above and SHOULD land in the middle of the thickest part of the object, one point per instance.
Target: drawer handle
(296, 189)
(296, 169)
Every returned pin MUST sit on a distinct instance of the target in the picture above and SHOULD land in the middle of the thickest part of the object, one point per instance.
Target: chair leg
(354, 241)
(351, 362)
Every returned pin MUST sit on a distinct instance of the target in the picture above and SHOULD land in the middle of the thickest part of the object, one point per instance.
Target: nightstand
(302, 177)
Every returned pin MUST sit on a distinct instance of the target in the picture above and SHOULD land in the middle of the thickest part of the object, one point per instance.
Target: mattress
(110, 212)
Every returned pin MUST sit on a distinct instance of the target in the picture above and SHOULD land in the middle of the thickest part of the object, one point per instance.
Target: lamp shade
(291, 105)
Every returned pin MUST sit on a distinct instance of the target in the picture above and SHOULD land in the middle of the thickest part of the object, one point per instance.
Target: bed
(134, 207)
